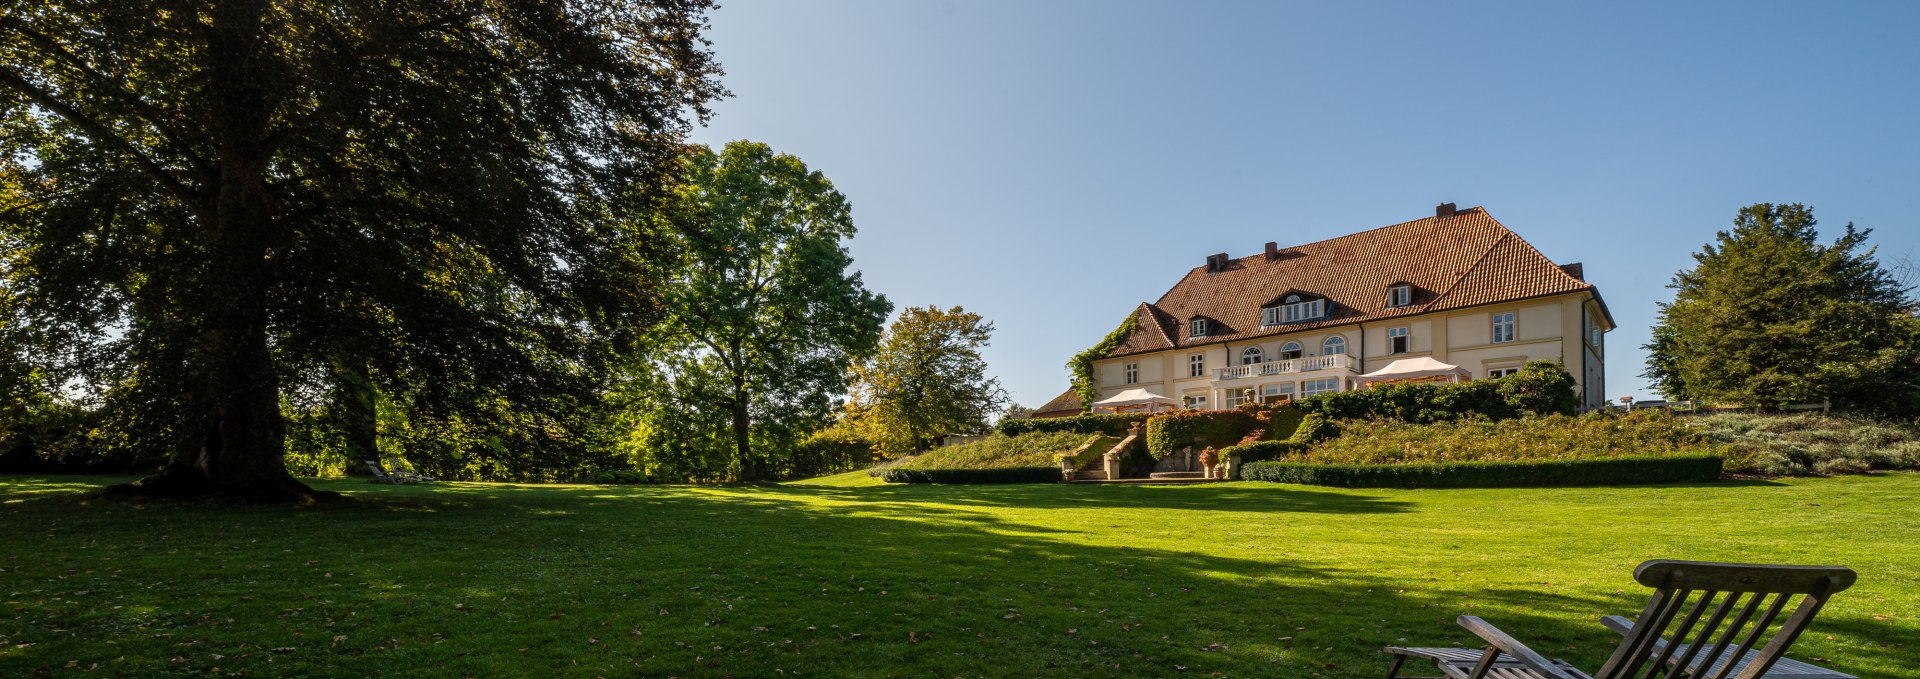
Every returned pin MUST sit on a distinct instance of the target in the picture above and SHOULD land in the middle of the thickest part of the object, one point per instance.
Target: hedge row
(1306, 428)
(1540, 388)
(1588, 472)
(1109, 424)
(1002, 475)
(1173, 431)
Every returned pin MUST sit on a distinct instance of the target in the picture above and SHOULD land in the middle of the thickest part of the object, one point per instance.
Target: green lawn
(840, 577)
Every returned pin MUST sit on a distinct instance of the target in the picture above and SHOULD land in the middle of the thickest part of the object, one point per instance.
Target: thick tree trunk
(233, 438)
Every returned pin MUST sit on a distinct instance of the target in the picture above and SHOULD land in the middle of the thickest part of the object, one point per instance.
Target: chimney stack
(1273, 251)
(1443, 210)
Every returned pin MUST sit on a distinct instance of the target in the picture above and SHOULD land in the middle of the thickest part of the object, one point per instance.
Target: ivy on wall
(1082, 363)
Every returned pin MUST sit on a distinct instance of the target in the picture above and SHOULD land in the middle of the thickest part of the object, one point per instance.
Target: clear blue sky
(1053, 164)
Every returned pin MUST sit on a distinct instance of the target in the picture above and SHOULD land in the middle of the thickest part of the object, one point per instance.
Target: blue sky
(1053, 164)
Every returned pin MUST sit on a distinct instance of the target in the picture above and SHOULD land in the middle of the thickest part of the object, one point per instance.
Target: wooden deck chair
(399, 469)
(1732, 629)
(381, 475)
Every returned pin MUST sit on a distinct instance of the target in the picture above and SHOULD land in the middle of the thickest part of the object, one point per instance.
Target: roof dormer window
(1293, 309)
(1400, 295)
(1198, 327)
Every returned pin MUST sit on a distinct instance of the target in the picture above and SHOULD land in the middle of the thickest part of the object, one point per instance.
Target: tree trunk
(232, 437)
(750, 469)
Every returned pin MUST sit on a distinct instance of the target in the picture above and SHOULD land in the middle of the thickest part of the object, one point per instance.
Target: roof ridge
(1461, 211)
(1556, 265)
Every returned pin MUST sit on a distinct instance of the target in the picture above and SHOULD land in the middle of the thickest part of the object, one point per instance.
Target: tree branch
(11, 79)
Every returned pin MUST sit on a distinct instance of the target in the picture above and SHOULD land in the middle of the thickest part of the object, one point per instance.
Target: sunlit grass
(845, 576)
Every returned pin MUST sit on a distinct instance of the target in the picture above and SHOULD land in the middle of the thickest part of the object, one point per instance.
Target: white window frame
(1254, 353)
(1197, 327)
(1400, 295)
(1195, 402)
(1132, 373)
(1303, 311)
(1402, 333)
(1238, 397)
(1278, 392)
(1197, 365)
(1324, 385)
(1503, 326)
(1497, 373)
(1297, 350)
(1333, 346)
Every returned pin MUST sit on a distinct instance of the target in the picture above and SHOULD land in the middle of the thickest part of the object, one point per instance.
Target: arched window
(1334, 345)
(1250, 356)
(1289, 351)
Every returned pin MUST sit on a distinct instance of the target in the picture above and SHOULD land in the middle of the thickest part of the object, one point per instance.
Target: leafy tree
(927, 379)
(764, 313)
(225, 198)
(1769, 315)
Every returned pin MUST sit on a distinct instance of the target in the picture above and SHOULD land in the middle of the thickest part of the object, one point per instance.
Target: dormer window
(1294, 309)
(1400, 295)
(1197, 327)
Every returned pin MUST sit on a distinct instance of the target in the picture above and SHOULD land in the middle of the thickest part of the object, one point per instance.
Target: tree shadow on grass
(1215, 497)
(757, 581)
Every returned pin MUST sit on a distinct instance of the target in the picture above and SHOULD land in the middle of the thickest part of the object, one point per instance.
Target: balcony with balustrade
(1290, 366)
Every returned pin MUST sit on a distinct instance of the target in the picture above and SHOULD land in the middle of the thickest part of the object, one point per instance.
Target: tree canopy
(217, 206)
(764, 312)
(927, 379)
(1769, 315)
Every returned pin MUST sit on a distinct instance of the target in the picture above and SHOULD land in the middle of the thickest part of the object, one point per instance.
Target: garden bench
(1741, 636)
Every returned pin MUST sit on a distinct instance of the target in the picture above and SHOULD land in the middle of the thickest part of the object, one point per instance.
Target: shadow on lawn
(751, 581)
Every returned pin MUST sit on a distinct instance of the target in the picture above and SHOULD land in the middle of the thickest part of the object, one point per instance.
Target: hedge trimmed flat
(1736, 632)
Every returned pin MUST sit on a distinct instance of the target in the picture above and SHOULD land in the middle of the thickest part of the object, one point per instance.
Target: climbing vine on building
(1082, 363)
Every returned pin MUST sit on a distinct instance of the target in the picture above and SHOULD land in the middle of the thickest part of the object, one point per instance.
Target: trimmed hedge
(1109, 424)
(1096, 445)
(1306, 428)
(1540, 388)
(956, 476)
(1590, 472)
(1263, 450)
(1173, 431)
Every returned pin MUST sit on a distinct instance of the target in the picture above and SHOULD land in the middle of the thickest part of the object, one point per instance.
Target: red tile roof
(1067, 403)
(1465, 259)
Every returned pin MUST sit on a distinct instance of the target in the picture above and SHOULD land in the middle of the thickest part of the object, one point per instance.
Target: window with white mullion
(1503, 327)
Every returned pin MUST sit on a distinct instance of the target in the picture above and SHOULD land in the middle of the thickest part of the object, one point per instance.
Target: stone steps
(1150, 481)
(1169, 476)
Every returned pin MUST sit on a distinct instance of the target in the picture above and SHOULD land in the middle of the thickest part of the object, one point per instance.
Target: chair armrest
(1617, 624)
(1513, 647)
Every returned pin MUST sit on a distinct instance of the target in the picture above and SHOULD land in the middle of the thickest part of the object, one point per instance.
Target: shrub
(1587, 472)
(1305, 429)
(1642, 432)
(1003, 475)
(1809, 443)
(1540, 388)
(1173, 431)
(996, 451)
(1110, 424)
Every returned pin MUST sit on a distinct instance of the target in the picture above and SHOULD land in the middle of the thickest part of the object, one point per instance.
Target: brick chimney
(1444, 210)
(1273, 251)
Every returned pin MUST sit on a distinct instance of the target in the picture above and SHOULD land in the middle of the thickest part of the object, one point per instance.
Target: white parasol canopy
(1413, 368)
(1135, 397)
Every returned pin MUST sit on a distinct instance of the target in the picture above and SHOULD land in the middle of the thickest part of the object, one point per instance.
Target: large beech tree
(214, 198)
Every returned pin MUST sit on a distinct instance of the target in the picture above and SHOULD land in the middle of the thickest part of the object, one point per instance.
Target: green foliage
(1540, 388)
(1791, 445)
(956, 476)
(926, 379)
(838, 448)
(1290, 430)
(996, 451)
(1591, 435)
(1092, 449)
(1769, 316)
(764, 312)
(1203, 428)
(203, 208)
(1532, 473)
(1082, 363)
(1113, 424)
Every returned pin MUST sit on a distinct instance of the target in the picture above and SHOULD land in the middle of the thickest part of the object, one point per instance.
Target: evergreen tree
(1769, 316)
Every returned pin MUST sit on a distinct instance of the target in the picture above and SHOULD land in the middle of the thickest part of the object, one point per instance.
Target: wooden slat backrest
(1716, 590)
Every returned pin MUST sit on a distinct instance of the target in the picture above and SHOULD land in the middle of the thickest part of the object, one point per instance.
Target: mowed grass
(846, 577)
